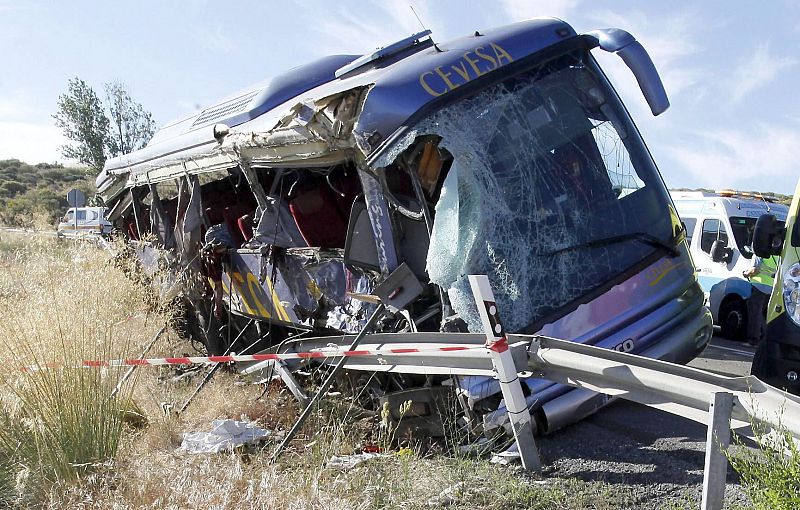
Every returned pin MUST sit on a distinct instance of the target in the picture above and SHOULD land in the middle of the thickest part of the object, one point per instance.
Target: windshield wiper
(642, 237)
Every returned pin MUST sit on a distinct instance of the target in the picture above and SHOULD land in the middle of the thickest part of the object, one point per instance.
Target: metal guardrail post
(496, 342)
(719, 438)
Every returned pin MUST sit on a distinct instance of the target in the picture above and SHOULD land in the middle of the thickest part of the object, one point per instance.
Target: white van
(84, 220)
(728, 217)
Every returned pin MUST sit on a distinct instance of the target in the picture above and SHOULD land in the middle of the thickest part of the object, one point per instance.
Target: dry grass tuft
(66, 445)
(63, 303)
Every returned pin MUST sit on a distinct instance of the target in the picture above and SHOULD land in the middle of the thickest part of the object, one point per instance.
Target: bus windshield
(551, 192)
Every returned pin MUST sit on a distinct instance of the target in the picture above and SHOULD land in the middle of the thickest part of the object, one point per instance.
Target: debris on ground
(224, 435)
(347, 462)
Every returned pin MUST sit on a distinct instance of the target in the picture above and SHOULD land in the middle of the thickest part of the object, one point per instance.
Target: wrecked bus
(506, 153)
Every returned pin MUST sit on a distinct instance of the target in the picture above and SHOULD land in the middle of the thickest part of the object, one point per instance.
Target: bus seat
(233, 226)
(245, 224)
(318, 218)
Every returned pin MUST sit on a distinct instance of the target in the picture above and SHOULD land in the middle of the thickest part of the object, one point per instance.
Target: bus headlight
(791, 292)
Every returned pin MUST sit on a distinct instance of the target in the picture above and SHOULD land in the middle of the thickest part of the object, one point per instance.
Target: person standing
(761, 276)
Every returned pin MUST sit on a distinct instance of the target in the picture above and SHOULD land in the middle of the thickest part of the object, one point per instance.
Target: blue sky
(731, 68)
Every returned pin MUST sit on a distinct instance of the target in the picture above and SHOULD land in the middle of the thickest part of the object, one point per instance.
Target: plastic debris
(509, 456)
(346, 462)
(225, 435)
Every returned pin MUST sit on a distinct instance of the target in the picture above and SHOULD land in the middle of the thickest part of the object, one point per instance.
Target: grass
(61, 302)
(65, 444)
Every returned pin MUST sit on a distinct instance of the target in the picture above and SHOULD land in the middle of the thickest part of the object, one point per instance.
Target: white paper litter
(224, 435)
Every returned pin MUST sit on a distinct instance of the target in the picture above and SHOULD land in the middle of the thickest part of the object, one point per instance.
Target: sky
(731, 68)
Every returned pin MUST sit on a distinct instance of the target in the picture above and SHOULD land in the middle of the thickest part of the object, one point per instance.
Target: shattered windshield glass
(551, 193)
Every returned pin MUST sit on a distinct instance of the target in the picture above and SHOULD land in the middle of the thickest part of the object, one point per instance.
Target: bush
(771, 475)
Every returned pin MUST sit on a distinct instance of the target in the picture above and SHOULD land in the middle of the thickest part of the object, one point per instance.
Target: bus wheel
(733, 319)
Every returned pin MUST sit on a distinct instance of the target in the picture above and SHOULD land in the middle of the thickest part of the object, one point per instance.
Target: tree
(83, 120)
(82, 117)
(132, 126)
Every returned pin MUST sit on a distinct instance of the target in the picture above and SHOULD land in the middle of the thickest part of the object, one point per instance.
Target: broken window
(550, 192)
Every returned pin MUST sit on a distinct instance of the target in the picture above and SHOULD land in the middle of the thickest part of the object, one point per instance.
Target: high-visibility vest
(766, 273)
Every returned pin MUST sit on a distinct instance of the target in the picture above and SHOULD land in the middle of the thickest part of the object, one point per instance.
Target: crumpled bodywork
(309, 133)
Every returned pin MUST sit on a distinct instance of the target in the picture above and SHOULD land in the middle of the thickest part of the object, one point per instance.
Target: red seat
(245, 224)
(318, 217)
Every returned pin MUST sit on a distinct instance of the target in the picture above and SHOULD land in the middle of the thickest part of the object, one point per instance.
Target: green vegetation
(61, 425)
(96, 134)
(771, 475)
(35, 195)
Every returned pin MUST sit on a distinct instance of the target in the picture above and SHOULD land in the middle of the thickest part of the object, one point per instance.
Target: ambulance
(719, 230)
(777, 359)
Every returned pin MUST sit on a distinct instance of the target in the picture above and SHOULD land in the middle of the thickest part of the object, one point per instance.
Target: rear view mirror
(720, 252)
(767, 236)
(360, 250)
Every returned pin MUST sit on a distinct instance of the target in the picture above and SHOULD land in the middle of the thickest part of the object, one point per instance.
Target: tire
(733, 319)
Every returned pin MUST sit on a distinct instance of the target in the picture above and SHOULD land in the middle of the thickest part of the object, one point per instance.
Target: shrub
(770, 475)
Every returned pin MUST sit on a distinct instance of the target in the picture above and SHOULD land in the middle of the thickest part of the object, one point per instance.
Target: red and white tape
(205, 360)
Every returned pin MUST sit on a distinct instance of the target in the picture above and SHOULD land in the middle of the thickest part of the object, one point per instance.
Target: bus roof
(399, 84)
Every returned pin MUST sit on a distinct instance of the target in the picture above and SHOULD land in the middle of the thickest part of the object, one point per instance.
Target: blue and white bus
(506, 152)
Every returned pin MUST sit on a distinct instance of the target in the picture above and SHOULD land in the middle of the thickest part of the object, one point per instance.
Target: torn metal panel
(312, 133)
(301, 287)
(160, 223)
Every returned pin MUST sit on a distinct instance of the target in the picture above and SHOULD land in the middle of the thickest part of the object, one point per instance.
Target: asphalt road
(654, 455)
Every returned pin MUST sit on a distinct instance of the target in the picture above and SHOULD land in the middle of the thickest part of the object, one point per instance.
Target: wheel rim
(734, 319)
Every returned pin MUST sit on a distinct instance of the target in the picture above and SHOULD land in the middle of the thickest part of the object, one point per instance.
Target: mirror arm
(615, 40)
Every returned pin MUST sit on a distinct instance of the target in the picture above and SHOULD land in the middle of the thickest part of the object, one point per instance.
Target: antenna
(765, 201)
(418, 18)
(423, 26)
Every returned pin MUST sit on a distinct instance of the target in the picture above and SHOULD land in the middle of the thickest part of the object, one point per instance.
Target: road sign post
(510, 386)
(76, 198)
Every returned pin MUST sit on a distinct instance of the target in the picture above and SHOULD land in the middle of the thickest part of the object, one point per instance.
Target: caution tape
(235, 358)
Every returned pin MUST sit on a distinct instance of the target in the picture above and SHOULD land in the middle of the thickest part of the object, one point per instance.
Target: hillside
(36, 194)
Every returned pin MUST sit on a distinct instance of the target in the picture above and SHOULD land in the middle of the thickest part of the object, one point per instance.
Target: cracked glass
(551, 192)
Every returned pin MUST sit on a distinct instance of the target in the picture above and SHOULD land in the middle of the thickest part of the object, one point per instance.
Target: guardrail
(723, 403)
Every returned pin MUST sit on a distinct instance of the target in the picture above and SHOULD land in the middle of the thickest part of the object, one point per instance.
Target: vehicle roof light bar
(732, 193)
(380, 53)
